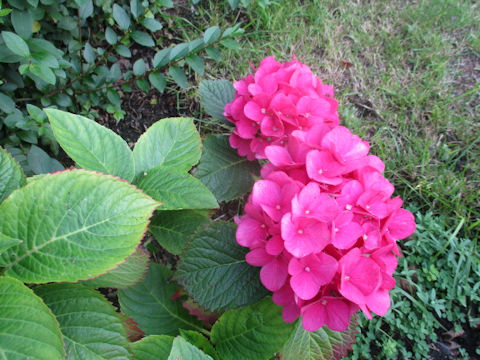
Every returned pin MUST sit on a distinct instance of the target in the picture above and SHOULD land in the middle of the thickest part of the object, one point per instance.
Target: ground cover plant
(406, 80)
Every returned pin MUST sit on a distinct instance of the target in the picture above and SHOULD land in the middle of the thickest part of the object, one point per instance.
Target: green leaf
(173, 229)
(151, 24)
(111, 36)
(74, 225)
(89, 53)
(213, 270)
(121, 17)
(136, 8)
(231, 44)
(212, 34)
(90, 325)
(153, 347)
(126, 274)
(36, 113)
(139, 67)
(143, 85)
(254, 332)
(323, 344)
(43, 72)
(161, 58)
(171, 142)
(22, 22)
(91, 145)
(178, 75)
(214, 53)
(175, 189)
(7, 105)
(40, 162)
(233, 3)
(196, 63)
(124, 51)
(214, 95)
(164, 3)
(178, 51)
(158, 81)
(11, 175)
(151, 306)
(226, 174)
(182, 349)
(29, 329)
(16, 44)
(200, 341)
(86, 10)
(63, 100)
(142, 38)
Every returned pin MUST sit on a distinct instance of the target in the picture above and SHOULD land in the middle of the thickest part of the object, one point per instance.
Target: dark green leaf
(89, 53)
(111, 36)
(139, 67)
(176, 190)
(212, 34)
(158, 81)
(136, 8)
(45, 58)
(196, 63)
(161, 58)
(36, 113)
(226, 174)
(230, 44)
(233, 3)
(143, 85)
(86, 10)
(115, 72)
(22, 22)
(179, 51)
(254, 332)
(164, 3)
(152, 24)
(63, 100)
(214, 95)
(124, 51)
(173, 229)
(7, 105)
(195, 45)
(16, 44)
(114, 97)
(142, 38)
(151, 306)
(90, 325)
(40, 162)
(178, 75)
(121, 17)
(214, 53)
(210, 263)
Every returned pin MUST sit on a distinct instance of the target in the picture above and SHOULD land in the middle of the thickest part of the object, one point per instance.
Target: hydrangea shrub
(321, 222)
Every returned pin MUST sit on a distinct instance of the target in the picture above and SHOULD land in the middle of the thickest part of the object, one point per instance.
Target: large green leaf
(226, 174)
(91, 145)
(153, 347)
(15, 43)
(214, 95)
(121, 17)
(74, 225)
(255, 332)
(323, 344)
(172, 142)
(126, 274)
(11, 174)
(90, 325)
(200, 341)
(173, 229)
(182, 349)
(150, 304)
(176, 190)
(214, 272)
(28, 329)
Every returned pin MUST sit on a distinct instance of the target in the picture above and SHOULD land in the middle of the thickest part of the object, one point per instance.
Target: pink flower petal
(274, 274)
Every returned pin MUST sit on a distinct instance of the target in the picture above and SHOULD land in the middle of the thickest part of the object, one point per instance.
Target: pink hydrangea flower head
(321, 222)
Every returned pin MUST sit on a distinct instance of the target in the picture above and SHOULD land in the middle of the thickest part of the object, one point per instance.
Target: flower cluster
(321, 223)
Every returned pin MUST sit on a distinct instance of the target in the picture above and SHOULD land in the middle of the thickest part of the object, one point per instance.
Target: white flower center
(300, 231)
(307, 212)
(307, 269)
(348, 207)
(278, 207)
(263, 110)
(365, 237)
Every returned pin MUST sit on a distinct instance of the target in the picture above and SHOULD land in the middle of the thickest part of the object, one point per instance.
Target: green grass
(407, 77)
